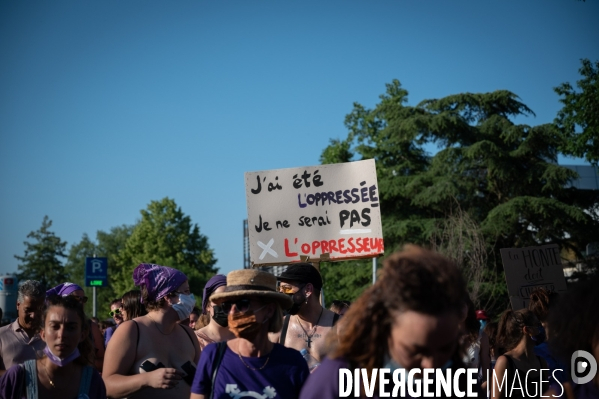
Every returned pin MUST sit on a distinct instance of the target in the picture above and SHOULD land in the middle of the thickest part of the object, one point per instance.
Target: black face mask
(220, 317)
(295, 308)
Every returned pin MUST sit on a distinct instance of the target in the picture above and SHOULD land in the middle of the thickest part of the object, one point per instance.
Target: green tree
(345, 280)
(42, 258)
(579, 117)
(166, 236)
(106, 245)
(502, 174)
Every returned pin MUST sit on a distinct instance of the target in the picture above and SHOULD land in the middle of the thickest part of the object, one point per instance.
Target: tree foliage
(106, 245)
(42, 258)
(166, 236)
(345, 280)
(579, 117)
(503, 175)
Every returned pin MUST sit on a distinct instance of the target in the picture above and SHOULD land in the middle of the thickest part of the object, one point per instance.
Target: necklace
(48, 375)
(158, 328)
(309, 340)
(249, 367)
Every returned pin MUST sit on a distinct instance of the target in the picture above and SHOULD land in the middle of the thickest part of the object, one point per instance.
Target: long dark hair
(510, 330)
(131, 302)
(414, 279)
(70, 302)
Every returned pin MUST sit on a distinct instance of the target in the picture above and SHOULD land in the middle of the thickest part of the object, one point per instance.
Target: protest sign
(529, 268)
(325, 212)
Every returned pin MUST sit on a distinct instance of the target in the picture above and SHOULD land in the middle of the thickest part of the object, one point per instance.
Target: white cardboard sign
(529, 268)
(324, 212)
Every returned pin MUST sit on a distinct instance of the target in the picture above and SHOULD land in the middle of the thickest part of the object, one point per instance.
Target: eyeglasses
(242, 305)
(81, 299)
(116, 311)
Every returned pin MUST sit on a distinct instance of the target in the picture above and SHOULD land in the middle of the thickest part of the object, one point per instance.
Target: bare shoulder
(501, 363)
(274, 337)
(127, 331)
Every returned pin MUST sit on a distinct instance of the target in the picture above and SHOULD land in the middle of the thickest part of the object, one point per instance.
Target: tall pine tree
(42, 258)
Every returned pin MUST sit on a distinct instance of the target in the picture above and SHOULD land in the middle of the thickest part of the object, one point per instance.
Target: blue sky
(106, 106)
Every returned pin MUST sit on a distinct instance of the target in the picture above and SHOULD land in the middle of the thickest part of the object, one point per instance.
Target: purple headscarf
(158, 280)
(216, 281)
(63, 289)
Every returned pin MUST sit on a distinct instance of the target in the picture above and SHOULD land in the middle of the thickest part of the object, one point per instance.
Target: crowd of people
(261, 336)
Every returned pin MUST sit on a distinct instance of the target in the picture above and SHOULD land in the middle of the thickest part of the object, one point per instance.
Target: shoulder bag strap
(31, 379)
(189, 335)
(284, 330)
(220, 351)
(137, 339)
(86, 380)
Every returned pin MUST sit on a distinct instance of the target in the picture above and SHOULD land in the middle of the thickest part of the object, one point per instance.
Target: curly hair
(86, 347)
(415, 279)
(153, 305)
(575, 320)
(541, 301)
(510, 330)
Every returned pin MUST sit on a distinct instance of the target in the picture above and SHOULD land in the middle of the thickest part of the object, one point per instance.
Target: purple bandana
(216, 281)
(158, 280)
(63, 289)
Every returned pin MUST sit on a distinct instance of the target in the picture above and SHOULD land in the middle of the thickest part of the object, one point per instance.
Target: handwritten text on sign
(330, 210)
(529, 268)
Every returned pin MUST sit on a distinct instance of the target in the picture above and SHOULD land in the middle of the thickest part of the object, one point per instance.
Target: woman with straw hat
(250, 365)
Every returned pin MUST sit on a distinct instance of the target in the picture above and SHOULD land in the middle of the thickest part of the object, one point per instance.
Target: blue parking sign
(96, 272)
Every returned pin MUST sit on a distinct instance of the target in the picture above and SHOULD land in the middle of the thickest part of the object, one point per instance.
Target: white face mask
(185, 305)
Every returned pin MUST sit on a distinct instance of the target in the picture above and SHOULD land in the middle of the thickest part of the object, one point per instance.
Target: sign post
(96, 275)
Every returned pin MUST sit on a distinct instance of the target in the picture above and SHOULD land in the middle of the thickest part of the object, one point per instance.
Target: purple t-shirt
(108, 334)
(282, 377)
(324, 381)
(12, 384)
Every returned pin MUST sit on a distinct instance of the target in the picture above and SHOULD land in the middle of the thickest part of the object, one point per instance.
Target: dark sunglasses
(81, 299)
(242, 305)
(116, 311)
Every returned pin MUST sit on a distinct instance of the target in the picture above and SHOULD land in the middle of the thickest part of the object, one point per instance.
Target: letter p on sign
(96, 266)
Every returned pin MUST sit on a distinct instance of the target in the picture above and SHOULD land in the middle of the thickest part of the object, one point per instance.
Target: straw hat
(252, 283)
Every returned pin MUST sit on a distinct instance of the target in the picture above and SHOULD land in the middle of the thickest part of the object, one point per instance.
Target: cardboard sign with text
(529, 268)
(325, 212)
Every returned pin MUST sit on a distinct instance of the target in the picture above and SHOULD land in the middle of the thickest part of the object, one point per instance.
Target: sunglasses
(81, 299)
(288, 289)
(116, 311)
(242, 305)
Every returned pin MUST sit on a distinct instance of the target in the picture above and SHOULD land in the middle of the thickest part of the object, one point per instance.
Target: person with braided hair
(516, 334)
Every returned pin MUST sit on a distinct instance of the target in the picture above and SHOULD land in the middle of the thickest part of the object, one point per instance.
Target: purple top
(158, 280)
(63, 289)
(108, 334)
(12, 384)
(216, 281)
(282, 377)
(324, 381)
